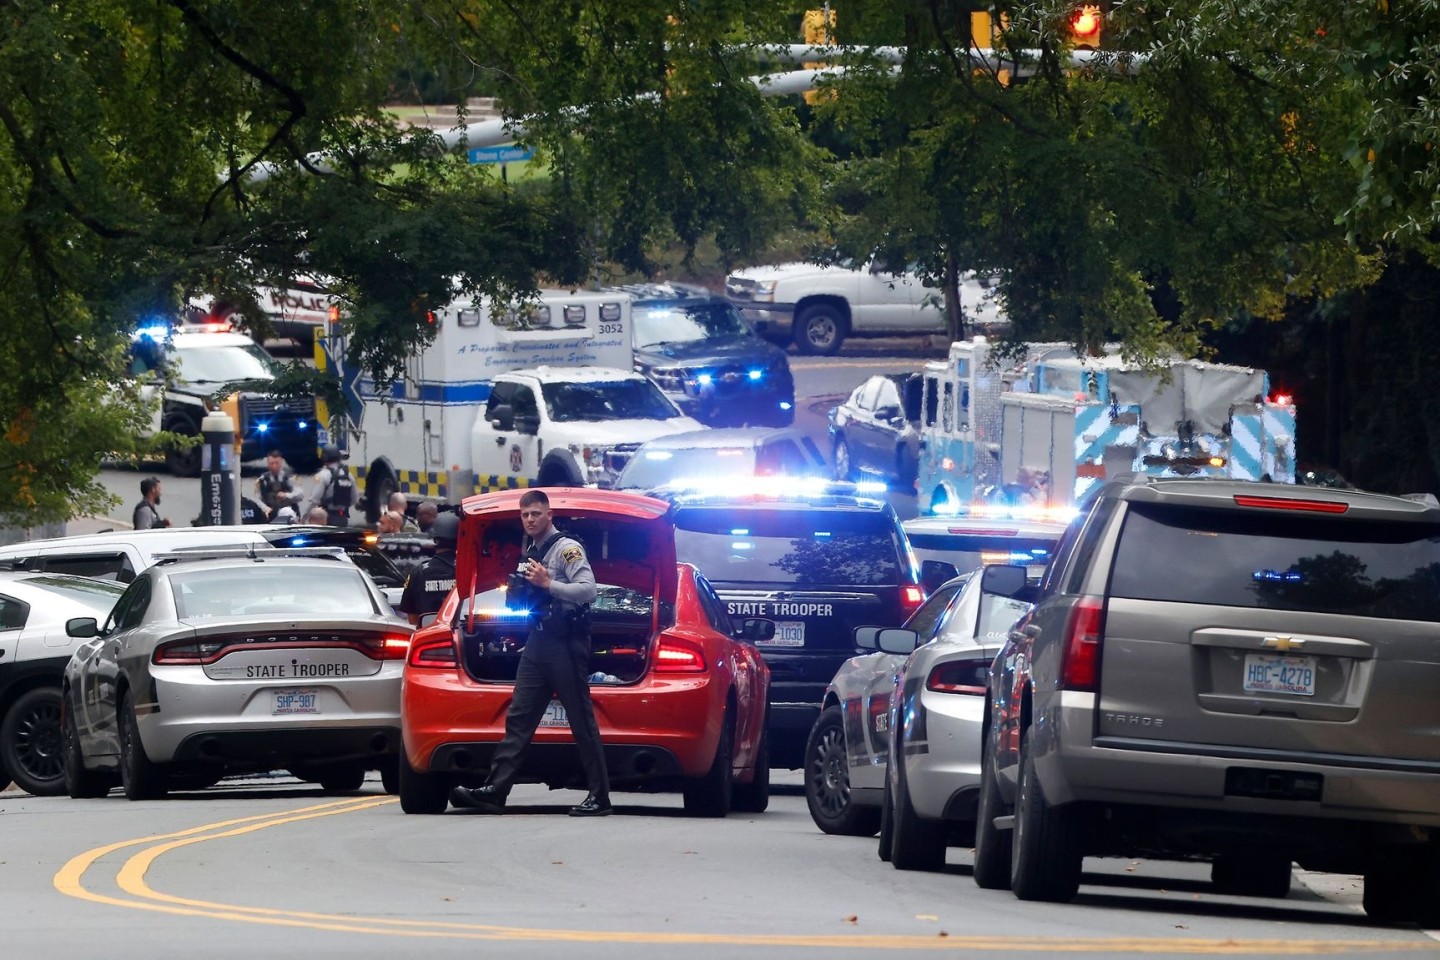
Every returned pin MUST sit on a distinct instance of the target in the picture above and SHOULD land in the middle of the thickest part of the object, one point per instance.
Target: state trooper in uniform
(556, 659)
(430, 582)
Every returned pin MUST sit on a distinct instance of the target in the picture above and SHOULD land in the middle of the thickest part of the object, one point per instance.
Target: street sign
(506, 154)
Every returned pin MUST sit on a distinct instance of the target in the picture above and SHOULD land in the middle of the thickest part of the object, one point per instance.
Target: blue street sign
(506, 154)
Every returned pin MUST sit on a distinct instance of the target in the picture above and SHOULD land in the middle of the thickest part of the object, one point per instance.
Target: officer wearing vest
(432, 581)
(332, 488)
(276, 486)
(556, 659)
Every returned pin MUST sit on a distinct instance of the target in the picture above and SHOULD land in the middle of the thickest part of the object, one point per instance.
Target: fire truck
(1041, 428)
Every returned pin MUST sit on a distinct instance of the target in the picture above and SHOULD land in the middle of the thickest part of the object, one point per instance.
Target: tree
(133, 133)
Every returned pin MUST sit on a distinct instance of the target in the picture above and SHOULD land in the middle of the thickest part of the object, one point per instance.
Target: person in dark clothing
(147, 511)
(556, 659)
(276, 486)
(429, 584)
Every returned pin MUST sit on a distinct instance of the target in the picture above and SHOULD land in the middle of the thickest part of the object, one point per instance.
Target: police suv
(819, 559)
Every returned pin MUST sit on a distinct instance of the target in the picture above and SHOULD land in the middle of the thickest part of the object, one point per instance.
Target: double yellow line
(139, 895)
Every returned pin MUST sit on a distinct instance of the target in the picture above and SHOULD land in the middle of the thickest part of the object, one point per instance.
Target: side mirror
(527, 423)
(898, 641)
(865, 638)
(503, 417)
(888, 412)
(82, 628)
(755, 631)
(1005, 580)
(933, 573)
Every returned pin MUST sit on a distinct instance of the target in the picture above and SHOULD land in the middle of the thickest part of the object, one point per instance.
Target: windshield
(607, 400)
(790, 546)
(257, 589)
(97, 595)
(223, 364)
(686, 323)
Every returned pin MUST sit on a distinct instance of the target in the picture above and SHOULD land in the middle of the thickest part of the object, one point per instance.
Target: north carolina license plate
(296, 701)
(555, 715)
(1272, 674)
(788, 633)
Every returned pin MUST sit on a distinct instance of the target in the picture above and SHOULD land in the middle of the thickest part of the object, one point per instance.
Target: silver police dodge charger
(211, 665)
(919, 700)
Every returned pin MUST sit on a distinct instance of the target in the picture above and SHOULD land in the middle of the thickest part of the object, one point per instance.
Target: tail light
(1080, 666)
(959, 676)
(911, 597)
(1286, 503)
(437, 654)
(678, 656)
(391, 645)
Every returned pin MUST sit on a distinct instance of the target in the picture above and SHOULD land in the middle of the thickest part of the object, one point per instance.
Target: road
(264, 868)
(820, 383)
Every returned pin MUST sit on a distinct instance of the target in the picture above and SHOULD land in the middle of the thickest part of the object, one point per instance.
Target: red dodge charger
(679, 687)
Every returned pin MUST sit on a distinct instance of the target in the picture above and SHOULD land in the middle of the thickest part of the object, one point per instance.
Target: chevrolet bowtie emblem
(1283, 644)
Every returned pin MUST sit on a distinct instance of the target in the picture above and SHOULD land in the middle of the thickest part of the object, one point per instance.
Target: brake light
(959, 676)
(911, 597)
(188, 652)
(678, 656)
(1080, 666)
(434, 654)
(392, 646)
(1285, 503)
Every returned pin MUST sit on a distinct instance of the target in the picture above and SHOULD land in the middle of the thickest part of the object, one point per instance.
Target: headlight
(765, 290)
(669, 379)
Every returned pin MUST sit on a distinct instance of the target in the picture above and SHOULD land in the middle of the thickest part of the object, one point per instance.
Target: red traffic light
(1085, 24)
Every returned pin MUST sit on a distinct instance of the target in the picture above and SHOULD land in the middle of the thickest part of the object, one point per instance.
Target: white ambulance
(544, 394)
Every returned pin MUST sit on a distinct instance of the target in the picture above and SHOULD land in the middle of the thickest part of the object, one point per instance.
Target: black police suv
(699, 351)
(819, 564)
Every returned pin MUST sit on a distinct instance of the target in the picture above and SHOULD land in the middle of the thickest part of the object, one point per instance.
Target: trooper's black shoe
(593, 806)
(485, 799)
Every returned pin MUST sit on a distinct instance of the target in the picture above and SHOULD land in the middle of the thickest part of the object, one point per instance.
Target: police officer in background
(556, 659)
(333, 488)
(430, 582)
(276, 486)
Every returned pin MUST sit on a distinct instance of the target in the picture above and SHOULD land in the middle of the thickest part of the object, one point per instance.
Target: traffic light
(1086, 24)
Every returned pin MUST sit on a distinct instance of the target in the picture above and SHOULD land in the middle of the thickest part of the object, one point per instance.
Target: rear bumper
(1074, 766)
(655, 728)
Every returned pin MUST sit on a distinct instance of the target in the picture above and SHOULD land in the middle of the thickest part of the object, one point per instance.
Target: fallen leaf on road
(556, 863)
(926, 916)
(943, 933)
(852, 919)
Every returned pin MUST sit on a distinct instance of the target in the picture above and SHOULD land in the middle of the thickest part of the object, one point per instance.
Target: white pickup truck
(818, 305)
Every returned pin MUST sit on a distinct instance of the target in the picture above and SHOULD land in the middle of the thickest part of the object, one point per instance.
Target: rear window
(1282, 561)
(324, 588)
(790, 546)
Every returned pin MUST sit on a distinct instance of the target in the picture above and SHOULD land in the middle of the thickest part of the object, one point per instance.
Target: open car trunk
(622, 632)
(630, 543)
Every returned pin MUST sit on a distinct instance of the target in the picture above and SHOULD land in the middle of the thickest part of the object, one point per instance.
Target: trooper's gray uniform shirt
(572, 582)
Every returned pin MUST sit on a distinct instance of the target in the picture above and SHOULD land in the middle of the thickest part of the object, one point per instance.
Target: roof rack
(248, 551)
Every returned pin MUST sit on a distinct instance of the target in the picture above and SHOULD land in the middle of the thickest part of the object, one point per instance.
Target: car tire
(1243, 875)
(844, 466)
(915, 843)
(341, 777)
(390, 777)
(992, 845)
(1046, 854)
(142, 778)
(819, 330)
(887, 827)
(422, 793)
(378, 490)
(754, 797)
(1404, 888)
(30, 743)
(182, 462)
(711, 795)
(827, 780)
(80, 783)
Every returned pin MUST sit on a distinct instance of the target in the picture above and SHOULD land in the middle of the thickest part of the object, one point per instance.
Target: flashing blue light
(742, 545)
(262, 427)
(299, 541)
(786, 405)
(1039, 552)
(502, 613)
(1280, 576)
(870, 486)
(303, 425)
(155, 331)
(740, 532)
(705, 379)
(658, 454)
(756, 374)
(822, 533)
